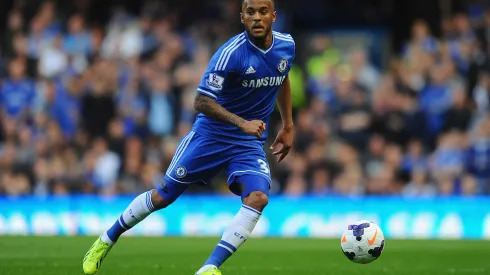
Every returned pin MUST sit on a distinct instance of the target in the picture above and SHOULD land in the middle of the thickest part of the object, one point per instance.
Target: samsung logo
(264, 82)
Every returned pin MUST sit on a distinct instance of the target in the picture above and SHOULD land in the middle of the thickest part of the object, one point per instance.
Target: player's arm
(286, 135)
(223, 68)
(285, 105)
(212, 109)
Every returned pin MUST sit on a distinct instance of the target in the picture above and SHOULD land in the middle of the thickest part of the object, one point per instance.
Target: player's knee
(158, 201)
(257, 200)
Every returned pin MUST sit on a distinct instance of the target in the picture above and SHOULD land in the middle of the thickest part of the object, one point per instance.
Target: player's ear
(274, 16)
(241, 17)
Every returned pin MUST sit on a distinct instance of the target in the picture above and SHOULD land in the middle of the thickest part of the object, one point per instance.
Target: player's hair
(273, 3)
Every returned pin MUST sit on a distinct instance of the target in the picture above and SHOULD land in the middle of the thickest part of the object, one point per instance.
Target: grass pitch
(179, 256)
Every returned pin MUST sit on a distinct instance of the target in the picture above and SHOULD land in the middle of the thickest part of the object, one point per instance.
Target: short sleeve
(222, 68)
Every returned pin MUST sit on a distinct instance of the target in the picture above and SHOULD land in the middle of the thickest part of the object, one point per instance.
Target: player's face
(258, 16)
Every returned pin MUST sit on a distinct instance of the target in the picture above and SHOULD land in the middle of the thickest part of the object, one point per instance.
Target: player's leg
(140, 208)
(186, 168)
(254, 191)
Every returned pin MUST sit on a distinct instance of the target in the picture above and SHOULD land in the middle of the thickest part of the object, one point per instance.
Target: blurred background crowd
(95, 99)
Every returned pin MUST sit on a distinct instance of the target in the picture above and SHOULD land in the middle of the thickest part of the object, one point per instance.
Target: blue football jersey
(245, 80)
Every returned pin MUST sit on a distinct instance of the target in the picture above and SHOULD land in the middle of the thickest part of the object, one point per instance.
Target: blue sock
(117, 229)
(221, 253)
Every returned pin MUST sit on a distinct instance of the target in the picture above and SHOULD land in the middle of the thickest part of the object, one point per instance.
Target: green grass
(176, 256)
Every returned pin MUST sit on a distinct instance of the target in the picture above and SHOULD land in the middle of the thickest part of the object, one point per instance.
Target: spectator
(111, 101)
(106, 166)
(419, 186)
(161, 112)
(15, 27)
(415, 157)
(78, 40)
(15, 184)
(374, 157)
(421, 39)
(17, 92)
(97, 109)
(124, 38)
(478, 156)
(365, 73)
(320, 185)
(354, 120)
(469, 186)
(295, 186)
(481, 94)
(458, 117)
(39, 37)
(435, 100)
(52, 60)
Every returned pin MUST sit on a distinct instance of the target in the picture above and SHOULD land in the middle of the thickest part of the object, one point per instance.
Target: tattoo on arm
(212, 109)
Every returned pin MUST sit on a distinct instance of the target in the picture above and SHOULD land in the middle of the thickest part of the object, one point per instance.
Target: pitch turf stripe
(177, 157)
(227, 244)
(179, 149)
(225, 50)
(220, 245)
(206, 93)
(231, 52)
(251, 209)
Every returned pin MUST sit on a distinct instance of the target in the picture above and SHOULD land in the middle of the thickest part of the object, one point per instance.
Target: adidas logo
(250, 70)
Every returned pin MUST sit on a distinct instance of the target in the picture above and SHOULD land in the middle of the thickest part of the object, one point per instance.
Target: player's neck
(262, 43)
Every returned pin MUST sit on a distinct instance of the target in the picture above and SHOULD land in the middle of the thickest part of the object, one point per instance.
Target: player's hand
(253, 127)
(284, 138)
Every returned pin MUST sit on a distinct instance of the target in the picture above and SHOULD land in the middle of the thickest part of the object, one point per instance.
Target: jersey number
(264, 167)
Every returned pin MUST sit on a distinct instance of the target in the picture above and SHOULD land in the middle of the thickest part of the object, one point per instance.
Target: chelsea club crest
(283, 64)
(181, 171)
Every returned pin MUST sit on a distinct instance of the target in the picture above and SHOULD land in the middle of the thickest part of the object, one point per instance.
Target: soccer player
(235, 99)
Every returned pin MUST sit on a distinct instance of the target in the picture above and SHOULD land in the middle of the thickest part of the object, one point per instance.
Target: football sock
(234, 236)
(137, 211)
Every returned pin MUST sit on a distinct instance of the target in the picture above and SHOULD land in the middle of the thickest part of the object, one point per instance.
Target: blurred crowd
(101, 109)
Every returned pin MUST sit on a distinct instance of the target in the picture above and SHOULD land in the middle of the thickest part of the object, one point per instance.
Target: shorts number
(264, 167)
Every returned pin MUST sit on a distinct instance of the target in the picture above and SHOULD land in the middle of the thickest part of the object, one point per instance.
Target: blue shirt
(66, 111)
(17, 96)
(245, 80)
(434, 101)
(478, 159)
(79, 43)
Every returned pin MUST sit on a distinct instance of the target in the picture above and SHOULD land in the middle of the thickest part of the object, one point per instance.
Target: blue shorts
(198, 159)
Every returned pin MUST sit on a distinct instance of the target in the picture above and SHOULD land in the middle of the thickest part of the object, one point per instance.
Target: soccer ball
(362, 242)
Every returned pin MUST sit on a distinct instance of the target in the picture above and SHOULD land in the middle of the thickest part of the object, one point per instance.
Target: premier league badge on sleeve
(283, 65)
(215, 82)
